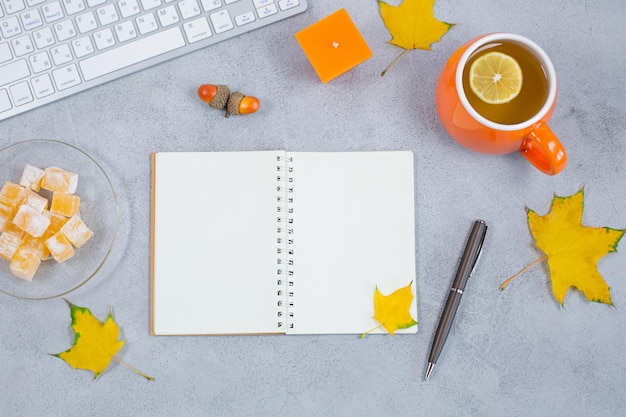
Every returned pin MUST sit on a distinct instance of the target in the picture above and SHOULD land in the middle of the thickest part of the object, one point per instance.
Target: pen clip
(479, 251)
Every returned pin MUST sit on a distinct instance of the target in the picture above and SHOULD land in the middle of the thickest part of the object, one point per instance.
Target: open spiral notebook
(278, 242)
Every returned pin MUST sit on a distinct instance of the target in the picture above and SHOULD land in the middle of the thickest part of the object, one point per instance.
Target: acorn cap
(233, 102)
(221, 97)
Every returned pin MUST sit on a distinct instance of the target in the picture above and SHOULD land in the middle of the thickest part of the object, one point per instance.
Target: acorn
(215, 96)
(239, 103)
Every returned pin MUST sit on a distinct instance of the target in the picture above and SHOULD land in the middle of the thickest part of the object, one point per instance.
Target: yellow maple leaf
(571, 249)
(393, 311)
(412, 25)
(95, 343)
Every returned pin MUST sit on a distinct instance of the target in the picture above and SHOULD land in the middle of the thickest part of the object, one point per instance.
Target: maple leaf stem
(393, 63)
(505, 283)
(132, 368)
(370, 331)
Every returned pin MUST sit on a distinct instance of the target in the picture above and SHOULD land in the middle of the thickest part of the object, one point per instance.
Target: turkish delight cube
(31, 177)
(24, 264)
(56, 221)
(36, 244)
(6, 215)
(12, 229)
(12, 194)
(8, 245)
(59, 181)
(31, 221)
(76, 231)
(36, 201)
(64, 204)
(60, 248)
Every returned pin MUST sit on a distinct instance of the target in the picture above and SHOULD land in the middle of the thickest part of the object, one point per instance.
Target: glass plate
(98, 209)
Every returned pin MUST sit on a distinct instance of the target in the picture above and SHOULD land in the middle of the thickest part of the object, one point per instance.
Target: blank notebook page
(213, 259)
(354, 229)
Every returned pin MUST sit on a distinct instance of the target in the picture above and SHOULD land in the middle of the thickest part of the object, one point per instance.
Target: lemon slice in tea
(495, 78)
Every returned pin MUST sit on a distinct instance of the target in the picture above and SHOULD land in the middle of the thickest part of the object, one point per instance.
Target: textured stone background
(512, 353)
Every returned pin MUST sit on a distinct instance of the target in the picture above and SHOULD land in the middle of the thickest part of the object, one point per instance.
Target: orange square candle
(333, 45)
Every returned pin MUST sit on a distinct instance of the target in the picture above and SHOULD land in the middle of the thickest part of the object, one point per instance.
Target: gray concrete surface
(512, 353)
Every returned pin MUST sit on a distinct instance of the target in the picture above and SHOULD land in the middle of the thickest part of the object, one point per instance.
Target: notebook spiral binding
(285, 235)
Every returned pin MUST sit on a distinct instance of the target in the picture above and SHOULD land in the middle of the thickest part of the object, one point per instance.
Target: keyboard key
(40, 62)
(44, 38)
(104, 39)
(262, 3)
(10, 27)
(35, 2)
(128, 8)
(5, 52)
(150, 4)
(125, 31)
(94, 3)
(209, 5)
(267, 11)
(188, 9)
(197, 29)
(22, 45)
(65, 30)
(21, 93)
(66, 77)
(107, 14)
(147, 23)
(288, 4)
(31, 19)
(168, 16)
(73, 6)
(5, 102)
(52, 12)
(14, 6)
(61, 54)
(86, 22)
(14, 71)
(221, 21)
(132, 53)
(42, 86)
(82, 46)
(244, 18)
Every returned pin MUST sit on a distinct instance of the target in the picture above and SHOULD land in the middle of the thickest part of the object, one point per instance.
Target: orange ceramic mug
(530, 136)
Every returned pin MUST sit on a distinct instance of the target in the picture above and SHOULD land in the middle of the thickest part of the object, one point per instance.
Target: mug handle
(543, 149)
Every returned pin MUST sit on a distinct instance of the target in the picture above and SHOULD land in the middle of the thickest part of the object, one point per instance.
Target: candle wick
(335, 44)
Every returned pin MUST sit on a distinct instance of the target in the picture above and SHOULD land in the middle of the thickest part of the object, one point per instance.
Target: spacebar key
(132, 53)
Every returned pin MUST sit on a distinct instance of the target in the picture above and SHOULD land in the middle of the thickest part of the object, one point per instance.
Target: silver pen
(466, 267)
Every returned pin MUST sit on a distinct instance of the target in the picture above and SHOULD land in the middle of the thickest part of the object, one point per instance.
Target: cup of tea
(496, 94)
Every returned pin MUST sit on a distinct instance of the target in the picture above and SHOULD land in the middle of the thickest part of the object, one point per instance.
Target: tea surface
(534, 90)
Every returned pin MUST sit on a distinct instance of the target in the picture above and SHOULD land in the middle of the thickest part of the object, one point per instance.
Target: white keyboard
(52, 49)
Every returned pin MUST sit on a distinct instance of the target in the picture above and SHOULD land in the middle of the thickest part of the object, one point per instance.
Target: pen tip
(428, 371)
